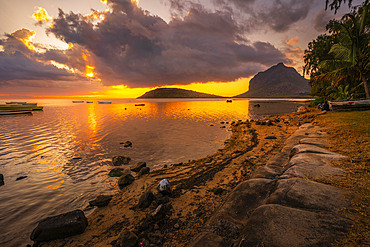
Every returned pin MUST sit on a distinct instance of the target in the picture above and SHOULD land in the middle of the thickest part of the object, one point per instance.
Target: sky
(124, 48)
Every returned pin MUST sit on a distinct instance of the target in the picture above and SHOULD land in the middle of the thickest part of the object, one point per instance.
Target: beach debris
(125, 180)
(127, 239)
(164, 187)
(117, 172)
(60, 226)
(136, 168)
(101, 201)
(20, 178)
(126, 144)
(270, 137)
(143, 171)
(1, 179)
(120, 160)
(161, 199)
(159, 213)
(146, 199)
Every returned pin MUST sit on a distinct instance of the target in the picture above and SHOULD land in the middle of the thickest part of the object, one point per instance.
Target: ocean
(57, 160)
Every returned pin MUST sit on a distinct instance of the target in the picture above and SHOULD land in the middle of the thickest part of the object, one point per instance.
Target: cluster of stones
(280, 205)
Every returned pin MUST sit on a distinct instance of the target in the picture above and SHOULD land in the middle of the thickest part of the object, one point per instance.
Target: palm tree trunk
(364, 80)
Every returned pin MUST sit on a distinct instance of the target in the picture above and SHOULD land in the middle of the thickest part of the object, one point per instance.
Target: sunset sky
(123, 48)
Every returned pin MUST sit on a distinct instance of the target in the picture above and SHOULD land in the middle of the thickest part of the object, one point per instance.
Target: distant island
(279, 81)
(175, 93)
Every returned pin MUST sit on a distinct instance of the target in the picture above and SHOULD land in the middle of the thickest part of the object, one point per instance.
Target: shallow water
(66, 150)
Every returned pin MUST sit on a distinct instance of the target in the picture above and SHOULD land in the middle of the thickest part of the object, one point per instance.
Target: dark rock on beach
(125, 180)
(101, 201)
(161, 199)
(160, 212)
(138, 166)
(127, 239)
(127, 144)
(143, 171)
(164, 187)
(146, 199)
(1, 179)
(120, 160)
(60, 226)
(117, 172)
(20, 178)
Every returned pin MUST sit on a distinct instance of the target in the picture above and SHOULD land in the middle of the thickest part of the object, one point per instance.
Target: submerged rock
(138, 166)
(120, 160)
(127, 144)
(101, 201)
(60, 226)
(117, 172)
(125, 180)
(146, 199)
(20, 178)
(164, 187)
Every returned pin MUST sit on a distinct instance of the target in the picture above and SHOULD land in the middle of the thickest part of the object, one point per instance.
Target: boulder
(312, 171)
(207, 239)
(143, 171)
(125, 180)
(127, 239)
(302, 193)
(127, 144)
(117, 172)
(161, 199)
(138, 166)
(164, 187)
(267, 172)
(101, 201)
(1, 179)
(312, 149)
(120, 160)
(241, 202)
(146, 199)
(314, 141)
(276, 225)
(60, 226)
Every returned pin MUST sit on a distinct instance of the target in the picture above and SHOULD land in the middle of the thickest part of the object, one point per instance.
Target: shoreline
(194, 185)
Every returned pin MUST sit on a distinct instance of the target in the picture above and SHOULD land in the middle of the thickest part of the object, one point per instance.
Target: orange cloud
(41, 15)
(293, 41)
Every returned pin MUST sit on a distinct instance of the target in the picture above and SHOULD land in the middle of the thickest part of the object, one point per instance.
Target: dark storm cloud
(321, 20)
(19, 65)
(139, 50)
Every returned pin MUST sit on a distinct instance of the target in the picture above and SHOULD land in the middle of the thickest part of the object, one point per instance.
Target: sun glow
(90, 71)
(26, 37)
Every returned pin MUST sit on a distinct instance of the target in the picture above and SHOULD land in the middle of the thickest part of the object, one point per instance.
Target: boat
(139, 104)
(26, 106)
(104, 102)
(229, 101)
(20, 103)
(347, 105)
(88, 102)
(11, 112)
(77, 101)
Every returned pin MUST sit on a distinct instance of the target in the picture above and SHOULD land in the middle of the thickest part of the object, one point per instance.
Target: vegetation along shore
(201, 207)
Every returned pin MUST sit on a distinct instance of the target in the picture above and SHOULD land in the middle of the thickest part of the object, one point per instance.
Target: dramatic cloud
(139, 50)
(321, 19)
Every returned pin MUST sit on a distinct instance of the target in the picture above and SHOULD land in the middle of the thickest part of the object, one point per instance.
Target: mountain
(278, 81)
(175, 93)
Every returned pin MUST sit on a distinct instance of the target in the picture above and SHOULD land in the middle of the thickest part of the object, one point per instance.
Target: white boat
(10, 112)
(347, 105)
(20, 103)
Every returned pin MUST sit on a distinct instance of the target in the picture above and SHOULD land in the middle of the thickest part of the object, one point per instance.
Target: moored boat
(139, 104)
(26, 106)
(10, 112)
(104, 102)
(77, 101)
(347, 105)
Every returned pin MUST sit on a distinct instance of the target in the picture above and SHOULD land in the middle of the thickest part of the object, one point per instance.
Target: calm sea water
(66, 150)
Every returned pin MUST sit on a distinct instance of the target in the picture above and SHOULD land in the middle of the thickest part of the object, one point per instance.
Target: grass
(350, 135)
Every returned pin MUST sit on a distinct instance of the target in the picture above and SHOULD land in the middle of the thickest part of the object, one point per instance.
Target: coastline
(193, 184)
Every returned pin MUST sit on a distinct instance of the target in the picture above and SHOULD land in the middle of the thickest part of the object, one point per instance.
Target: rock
(305, 148)
(267, 172)
(143, 171)
(125, 180)
(245, 197)
(161, 199)
(225, 229)
(160, 212)
(155, 237)
(127, 144)
(207, 239)
(100, 201)
(269, 123)
(60, 226)
(302, 193)
(314, 141)
(270, 137)
(20, 178)
(276, 225)
(146, 199)
(136, 168)
(127, 239)
(1, 179)
(120, 160)
(117, 172)
(217, 191)
(176, 226)
(164, 187)
(312, 171)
